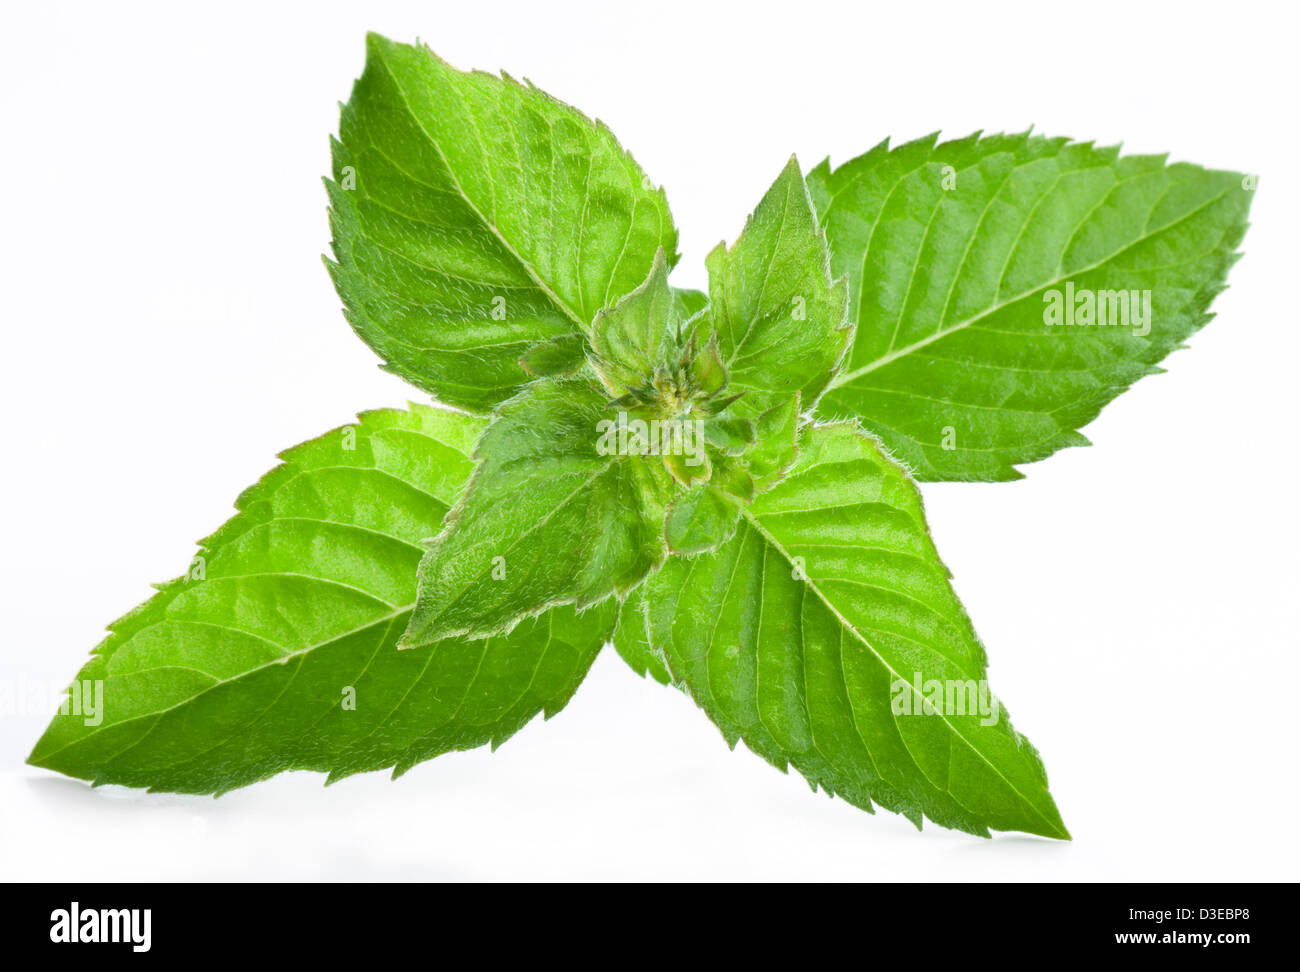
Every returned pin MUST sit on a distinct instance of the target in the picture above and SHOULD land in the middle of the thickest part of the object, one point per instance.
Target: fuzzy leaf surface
(632, 638)
(546, 519)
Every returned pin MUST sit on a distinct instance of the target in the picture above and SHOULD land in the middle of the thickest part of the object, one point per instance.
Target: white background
(168, 327)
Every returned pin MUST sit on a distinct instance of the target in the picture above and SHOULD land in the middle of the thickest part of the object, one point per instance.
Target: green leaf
(474, 217)
(278, 648)
(808, 633)
(632, 639)
(951, 251)
(558, 357)
(776, 432)
(689, 302)
(734, 436)
(546, 519)
(703, 519)
(779, 318)
(689, 470)
(629, 339)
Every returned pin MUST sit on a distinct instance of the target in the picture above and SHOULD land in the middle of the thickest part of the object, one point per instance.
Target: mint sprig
(722, 483)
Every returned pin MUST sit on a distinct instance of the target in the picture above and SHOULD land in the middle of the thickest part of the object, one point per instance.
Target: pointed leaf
(809, 632)
(548, 518)
(780, 320)
(630, 335)
(474, 217)
(278, 649)
(956, 254)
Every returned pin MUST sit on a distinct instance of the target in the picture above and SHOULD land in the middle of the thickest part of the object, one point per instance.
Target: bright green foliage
(546, 519)
(629, 340)
(474, 217)
(804, 633)
(556, 358)
(775, 433)
(761, 452)
(277, 650)
(950, 250)
(572, 503)
(702, 520)
(689, 302)
(653, 470)
(779, 318)
(632, 638)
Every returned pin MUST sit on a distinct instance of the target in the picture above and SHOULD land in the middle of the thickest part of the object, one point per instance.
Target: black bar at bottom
(328, 921)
